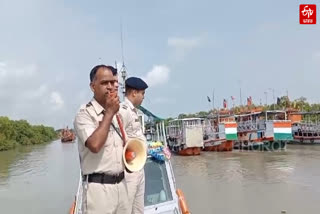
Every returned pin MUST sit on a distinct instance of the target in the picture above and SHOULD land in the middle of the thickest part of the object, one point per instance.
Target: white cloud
(14, 71)
(26, 94)
(37, 92)
(316, 56)
(158, 75)
(183, 46)
(2, 69)
(56, 100)
(29, 70)
(184, 43)
(16, 78)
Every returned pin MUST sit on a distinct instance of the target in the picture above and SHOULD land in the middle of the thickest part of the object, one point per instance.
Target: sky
(183, 49)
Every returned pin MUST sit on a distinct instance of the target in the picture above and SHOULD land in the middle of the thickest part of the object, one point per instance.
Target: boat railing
(174, 131)
(192, 125)
(78, 198)
(210, 131)
(308, 127)
(248, 125)
(261, 125)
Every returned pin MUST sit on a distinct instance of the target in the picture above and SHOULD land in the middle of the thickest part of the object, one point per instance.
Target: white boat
(185, 136)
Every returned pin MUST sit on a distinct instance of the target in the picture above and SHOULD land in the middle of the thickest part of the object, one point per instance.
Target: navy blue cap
(136, 83)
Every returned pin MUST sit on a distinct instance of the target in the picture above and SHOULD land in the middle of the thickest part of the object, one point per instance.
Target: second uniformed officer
(134, 95)
(100, 147)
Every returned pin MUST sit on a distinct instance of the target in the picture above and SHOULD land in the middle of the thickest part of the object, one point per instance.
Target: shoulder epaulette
(89, 104)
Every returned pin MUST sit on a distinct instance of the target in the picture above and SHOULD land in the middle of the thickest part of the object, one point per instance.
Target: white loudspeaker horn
(134, 155)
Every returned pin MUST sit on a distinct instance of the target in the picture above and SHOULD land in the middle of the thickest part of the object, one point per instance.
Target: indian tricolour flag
(282, 130)
(231, 130)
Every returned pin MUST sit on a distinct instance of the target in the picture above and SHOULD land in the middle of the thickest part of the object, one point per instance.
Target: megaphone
(134, 155)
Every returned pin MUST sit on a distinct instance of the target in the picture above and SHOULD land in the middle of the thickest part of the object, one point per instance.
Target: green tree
(20, 132)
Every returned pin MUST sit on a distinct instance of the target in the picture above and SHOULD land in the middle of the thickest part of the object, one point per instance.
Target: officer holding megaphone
(135, 150)
(101, 148)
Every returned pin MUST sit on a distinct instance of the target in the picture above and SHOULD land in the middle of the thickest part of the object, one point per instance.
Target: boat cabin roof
(262, 112)
(275, 111)
(305, 113)
(249, 114)
(186, 119)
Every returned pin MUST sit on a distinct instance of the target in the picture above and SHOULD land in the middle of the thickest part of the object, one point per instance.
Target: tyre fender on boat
(182, 202)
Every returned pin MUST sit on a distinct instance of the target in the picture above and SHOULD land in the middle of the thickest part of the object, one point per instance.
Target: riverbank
(15, 133)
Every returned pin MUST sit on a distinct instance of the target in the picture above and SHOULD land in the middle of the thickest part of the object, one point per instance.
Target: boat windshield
(157, 183)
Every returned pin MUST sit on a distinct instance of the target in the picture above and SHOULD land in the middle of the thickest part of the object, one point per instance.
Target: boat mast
(123, 72)
(123, 69)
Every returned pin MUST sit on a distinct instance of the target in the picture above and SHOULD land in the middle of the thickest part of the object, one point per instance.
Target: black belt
(104, 178)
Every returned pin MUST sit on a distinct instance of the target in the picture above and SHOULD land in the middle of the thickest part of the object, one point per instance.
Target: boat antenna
(123, 69)
(121, 43)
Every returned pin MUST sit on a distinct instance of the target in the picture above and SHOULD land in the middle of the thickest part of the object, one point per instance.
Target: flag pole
(213, 101)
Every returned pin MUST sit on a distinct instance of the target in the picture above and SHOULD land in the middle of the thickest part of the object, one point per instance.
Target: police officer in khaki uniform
(135, 89)
(100, 147)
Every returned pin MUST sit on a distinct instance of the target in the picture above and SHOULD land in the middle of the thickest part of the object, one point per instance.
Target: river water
(44, 178)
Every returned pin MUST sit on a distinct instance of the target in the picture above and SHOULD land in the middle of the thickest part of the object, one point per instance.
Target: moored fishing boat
(264, 131)
(219, 135)
(185, 136)
(305, 127)
(67, 135)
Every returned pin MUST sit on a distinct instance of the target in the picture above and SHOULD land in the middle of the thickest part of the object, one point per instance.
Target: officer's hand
(112, 103)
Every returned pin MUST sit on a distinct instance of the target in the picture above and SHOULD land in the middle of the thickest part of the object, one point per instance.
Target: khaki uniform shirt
(130, 119)
(109, 159)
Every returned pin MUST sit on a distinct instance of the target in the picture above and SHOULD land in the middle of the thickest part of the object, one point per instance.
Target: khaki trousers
(105, 198)
(136, 187)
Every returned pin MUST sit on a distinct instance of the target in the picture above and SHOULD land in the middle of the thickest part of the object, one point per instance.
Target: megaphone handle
(121, 129)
